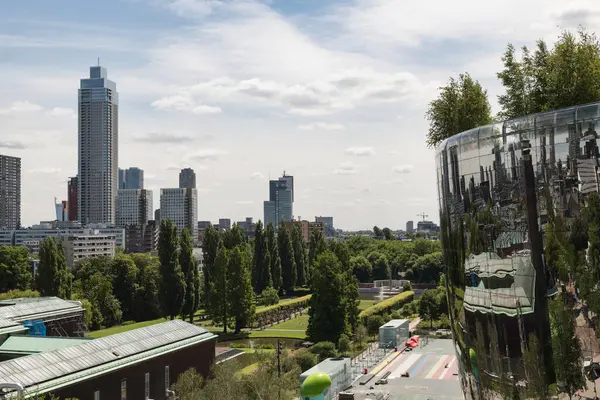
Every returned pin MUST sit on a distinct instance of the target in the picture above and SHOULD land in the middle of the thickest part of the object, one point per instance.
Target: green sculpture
(316, 387)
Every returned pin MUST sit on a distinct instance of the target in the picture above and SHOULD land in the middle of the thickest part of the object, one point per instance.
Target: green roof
(315, 384)
(36, 344)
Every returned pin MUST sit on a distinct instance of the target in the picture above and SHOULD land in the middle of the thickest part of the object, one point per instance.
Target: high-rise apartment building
(328, 227)
(10, 192)
(134, 207)
(98, 148)
(181, 207)
(410, 226)
(72, 198)
(187, 179)
(279, 207)
(131, 178)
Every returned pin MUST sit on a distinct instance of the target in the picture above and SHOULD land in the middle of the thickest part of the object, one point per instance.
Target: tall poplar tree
(218, 306)
(299, 255)
(188, 264)
(316, 246)
(286, 254)
(261, 269)
(171, 289)
(240, 292)
(53, 277)
(275, 261)
(210, 246)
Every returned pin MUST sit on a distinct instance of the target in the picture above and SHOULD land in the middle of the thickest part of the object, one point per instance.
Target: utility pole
(279, 350)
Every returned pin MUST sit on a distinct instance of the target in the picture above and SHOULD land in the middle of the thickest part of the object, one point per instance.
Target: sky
(332, 92)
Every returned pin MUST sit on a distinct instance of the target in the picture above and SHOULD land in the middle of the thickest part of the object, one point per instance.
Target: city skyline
(198, 89)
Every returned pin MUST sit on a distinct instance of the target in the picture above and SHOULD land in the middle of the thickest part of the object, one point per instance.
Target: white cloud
(346, 168)
(322, 126)
(360, 151)
(9, 144)
(184, 102)
(44, 171)
(394, 153)
(257, 175)
(20, 107)
(208, 154)
(61, 112)
(403, 169)
(204, 109)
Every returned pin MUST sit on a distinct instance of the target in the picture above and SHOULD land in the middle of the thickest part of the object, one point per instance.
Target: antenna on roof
(98, 61)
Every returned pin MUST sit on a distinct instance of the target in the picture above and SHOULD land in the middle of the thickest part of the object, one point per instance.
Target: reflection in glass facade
(502, 189)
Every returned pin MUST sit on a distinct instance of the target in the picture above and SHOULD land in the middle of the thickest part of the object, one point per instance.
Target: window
(147, 386)
(124, 389)
(97, 395)
(167, 377)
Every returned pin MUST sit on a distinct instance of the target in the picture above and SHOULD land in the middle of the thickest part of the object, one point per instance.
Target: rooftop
(24, 345)
(14, 312)
(99, 356)
(394, 323)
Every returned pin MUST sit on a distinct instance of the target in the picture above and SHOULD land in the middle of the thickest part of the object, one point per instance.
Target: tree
(299, 248)
(53, 276)
(566, 348)
(218, 307)
(380, 266)
(210, 246)
(344, 344)
(261, 271)
(188, 264)
(188, 385)
(361, 268)
(233, 237)
(305, 359)
(15, 272)
(428, 305)
(462, 104)
(106, 309)
(536, 376)
(316, 246)
(274, 257)
(564, 76)
(360, 334)
(171, 287)
(269, 296)
(387, 234)
(124, 285)
(146, 304)
(323, 350)
(377, 232)
(374, 323)
(327, 313)
(241, 293)
(286, 254)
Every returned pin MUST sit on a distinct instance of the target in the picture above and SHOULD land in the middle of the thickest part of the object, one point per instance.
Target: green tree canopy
(261, 271)
(188, 264)
(316, 246)
(380, 266)
(274, 256)
(15, 272)
(53, 276)
(288, 263)
(240, 292)
(361, 268)
(461, 105)
(172, 283)
(218, 306)
(124, 285)
(300, 255)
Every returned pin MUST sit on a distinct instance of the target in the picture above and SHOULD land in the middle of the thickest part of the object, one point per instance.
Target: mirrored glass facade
(517, 230)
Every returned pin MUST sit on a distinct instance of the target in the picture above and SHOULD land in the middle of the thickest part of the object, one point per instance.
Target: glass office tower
(520, 229)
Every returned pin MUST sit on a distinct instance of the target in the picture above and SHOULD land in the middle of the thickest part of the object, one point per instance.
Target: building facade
(224, 223)
(279, 207)
(306, 227)
(98, 148)
(518, 204)
(134, 207)
(410, 226)
(328, 227)
(187, 179)
(72, 198)
(131, 178)
(80, 247)
(181, 207)
(142, 238)
(10, 192)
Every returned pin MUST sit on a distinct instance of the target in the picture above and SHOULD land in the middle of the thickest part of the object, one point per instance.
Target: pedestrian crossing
(423, 365)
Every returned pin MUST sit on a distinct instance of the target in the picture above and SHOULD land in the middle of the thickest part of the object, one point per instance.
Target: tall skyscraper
(181, 207)
(187, 179)
(410, 226)
(72, 198)
(98, 148)
(10, 192)
(134, 207)
(131, 178)
(279, 207)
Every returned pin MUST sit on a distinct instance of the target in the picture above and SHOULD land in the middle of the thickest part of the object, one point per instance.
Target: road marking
(406, 364)
(436, 367)
(448, 369)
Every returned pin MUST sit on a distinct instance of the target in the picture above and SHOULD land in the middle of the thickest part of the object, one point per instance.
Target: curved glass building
(517, 232)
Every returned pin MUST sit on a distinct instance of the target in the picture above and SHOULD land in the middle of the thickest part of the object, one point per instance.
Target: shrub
(406, 287)
(269, 296)
(374, 323)
(283, 310)
(239, 345)
(324, 350)
(388, 305)
(305, 359)
(16, 294)
(267, 346)
(344, 344)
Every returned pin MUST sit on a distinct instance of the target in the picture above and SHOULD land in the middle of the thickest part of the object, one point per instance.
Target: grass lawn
(366, 304)
(123, 328)
(250, 369)
(294, 328)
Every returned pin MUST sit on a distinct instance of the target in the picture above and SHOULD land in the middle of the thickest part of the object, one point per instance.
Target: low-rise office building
(139, 364)
(80, 247)
(142, 238)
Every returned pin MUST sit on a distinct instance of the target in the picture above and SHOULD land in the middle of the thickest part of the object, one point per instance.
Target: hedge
(387, 305)
(281, 311)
